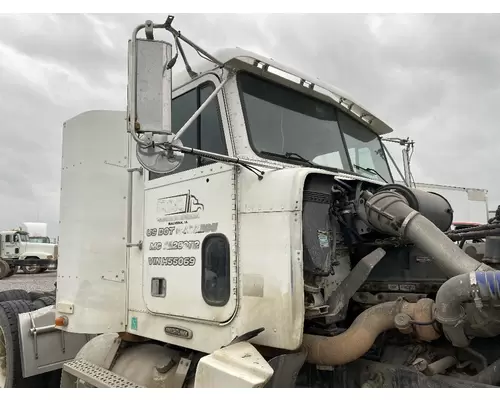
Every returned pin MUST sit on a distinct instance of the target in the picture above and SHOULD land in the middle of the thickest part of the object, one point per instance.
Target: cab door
(10, 246)
(189, 218)
(22, 243)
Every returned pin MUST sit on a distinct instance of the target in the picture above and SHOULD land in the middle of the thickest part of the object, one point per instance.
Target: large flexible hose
(357, 340)
(479, 287)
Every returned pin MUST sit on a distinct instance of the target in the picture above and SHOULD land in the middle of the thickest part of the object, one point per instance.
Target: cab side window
(205, 133)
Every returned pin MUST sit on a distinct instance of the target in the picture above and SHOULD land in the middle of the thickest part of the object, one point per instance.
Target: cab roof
(233, 57)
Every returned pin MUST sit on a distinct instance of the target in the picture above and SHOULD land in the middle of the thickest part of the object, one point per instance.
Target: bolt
(403, 323)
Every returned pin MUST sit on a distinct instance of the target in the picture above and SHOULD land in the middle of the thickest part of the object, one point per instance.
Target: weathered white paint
(237, 366)
(92, 252)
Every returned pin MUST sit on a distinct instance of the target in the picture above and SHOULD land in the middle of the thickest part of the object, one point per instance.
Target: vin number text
(172, 261)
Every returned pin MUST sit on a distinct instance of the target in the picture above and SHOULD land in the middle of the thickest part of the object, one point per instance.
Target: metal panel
(93, 222)
(44, 348)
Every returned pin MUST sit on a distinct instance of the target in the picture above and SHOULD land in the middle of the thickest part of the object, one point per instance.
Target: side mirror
(149, 86)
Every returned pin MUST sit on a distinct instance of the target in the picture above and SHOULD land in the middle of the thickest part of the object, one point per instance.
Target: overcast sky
(434, 78)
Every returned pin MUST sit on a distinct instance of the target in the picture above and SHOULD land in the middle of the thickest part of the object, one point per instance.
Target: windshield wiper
(299, 157)
(370, 170)
(291, 156)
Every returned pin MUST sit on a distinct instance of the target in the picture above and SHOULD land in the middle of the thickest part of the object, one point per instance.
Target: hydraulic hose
(359, 338)
(389, 212)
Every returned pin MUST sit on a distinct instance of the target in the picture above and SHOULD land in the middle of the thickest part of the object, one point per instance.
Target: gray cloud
(431, 77)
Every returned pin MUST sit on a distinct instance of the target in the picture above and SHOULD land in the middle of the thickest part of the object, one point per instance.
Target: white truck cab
(213, 236)
(13, 244)
(226, 233)
(18, 251)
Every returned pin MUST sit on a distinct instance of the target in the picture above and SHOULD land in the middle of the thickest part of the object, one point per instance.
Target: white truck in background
(27, 247)
(37, 232)
(470, 205)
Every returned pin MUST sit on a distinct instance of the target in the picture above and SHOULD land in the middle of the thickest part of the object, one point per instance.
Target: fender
(43, 347)
(39, 255)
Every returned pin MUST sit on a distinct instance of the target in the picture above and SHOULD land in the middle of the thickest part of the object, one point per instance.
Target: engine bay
(393, 297)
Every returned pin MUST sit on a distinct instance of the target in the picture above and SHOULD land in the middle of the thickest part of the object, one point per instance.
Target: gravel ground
(42, 282)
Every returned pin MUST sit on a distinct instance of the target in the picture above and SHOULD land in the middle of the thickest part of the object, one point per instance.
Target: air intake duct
(419, 218)
(431, 205)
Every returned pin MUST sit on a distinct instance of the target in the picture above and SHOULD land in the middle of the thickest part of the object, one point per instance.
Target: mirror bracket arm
(200, 110)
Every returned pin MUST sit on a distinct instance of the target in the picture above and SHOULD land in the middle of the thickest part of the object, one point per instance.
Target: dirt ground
(42, 282)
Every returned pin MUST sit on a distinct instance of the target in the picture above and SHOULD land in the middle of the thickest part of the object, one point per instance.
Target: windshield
(23, 237)
(39, 239)
(283, 121)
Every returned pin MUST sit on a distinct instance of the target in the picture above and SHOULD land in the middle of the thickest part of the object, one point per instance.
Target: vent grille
(317, 197)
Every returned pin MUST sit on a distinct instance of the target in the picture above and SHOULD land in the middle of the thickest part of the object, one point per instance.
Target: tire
(11, 272)
(12, 375)
(14, 294)
(44, 302)
(4, 269)
(37, 294)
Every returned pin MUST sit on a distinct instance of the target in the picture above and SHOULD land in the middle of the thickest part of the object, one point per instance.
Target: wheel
(14, 294)
(4, 269)
(10, 357)
(44, 302)
(31, 269)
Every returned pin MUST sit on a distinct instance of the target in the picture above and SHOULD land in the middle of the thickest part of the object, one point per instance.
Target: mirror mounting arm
(200, 110)
(168, 27)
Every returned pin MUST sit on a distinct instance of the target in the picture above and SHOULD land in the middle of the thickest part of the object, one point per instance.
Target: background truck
(265, 244)
(470, 205)
(37, 232)
(17, 251)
